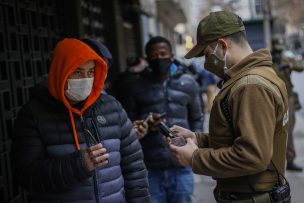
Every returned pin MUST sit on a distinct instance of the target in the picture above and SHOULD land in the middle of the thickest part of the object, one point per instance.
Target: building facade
(29, 30)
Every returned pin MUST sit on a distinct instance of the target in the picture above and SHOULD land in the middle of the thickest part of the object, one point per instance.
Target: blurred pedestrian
(171, 96)
(248, 121)
(135, 66)
(73, 144)
(103, 52)
(207, 82)
(284, 66)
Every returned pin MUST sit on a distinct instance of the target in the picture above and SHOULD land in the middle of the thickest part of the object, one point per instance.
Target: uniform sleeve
(202, 139)
(33, 170)
(195, 115)
(132, 164)
(256, 111)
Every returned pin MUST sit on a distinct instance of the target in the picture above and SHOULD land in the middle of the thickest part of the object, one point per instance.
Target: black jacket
(48, 165)
(178, 97)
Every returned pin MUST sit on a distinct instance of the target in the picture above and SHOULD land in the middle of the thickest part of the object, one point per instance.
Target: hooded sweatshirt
(68, 55)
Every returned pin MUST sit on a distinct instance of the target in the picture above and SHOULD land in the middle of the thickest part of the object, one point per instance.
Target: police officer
(284, 66)
(248, 119)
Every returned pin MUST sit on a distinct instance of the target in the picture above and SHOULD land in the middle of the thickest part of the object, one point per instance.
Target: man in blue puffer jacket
(164, 88)
(73, 144)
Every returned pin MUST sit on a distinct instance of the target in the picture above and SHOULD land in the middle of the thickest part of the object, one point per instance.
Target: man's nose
(85, 75)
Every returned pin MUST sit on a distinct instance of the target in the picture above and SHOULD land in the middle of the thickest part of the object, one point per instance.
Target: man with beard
(164, 88)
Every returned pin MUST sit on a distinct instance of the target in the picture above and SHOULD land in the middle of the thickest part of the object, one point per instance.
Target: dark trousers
(291, 153)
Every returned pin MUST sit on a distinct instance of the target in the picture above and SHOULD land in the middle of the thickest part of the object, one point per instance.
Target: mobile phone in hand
(174, 139)
(165, 130)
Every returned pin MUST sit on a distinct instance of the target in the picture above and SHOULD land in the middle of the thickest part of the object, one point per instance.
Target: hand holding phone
(172, 137)
(95, 156)
(157, 117)
(141, 128)
(153, 119)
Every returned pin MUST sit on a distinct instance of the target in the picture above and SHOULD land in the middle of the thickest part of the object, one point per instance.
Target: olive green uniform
(240, 161)
(284, 72)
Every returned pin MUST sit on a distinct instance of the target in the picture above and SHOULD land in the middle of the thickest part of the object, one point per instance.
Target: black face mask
(160, 66)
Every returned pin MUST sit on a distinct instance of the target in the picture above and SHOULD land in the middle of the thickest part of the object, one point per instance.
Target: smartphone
(165, 130)
(174, 139)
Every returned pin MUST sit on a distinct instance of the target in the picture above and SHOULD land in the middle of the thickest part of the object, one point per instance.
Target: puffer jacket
(49, 167)
(50, 136)
(178, 97)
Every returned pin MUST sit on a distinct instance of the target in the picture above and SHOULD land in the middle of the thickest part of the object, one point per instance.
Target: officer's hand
(185, 133)
(95, 156)
(141, 128)
(184, 153)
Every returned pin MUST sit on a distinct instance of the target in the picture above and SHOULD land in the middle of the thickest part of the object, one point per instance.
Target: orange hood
(68, 55)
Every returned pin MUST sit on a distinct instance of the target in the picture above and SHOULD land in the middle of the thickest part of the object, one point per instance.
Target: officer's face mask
(79, 89)
(216, 65)
(160, 65)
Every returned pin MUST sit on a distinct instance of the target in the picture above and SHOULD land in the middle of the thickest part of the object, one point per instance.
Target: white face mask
(79, 89)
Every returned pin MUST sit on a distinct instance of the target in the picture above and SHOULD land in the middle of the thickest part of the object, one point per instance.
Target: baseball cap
(215, 25)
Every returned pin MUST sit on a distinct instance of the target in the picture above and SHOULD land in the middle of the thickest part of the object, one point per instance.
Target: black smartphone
(174, 139)
(165, 130)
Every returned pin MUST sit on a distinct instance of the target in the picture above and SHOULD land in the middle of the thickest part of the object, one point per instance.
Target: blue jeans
(174, 185)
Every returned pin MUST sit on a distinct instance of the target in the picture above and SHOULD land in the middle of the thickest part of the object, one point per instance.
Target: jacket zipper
(166, 95)
(95, 187)
(95, 175)
(96, 131)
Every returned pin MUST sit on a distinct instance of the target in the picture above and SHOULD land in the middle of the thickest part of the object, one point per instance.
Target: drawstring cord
(74, 130)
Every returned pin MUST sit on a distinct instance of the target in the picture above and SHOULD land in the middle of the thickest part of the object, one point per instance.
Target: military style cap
(215, 25)
(277, 43)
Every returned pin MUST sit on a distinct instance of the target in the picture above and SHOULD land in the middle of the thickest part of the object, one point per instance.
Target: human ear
(224, 45)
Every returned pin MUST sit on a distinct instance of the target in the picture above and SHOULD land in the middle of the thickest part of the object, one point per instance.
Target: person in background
(207, 82)
(73, 144)
(160, 89)
(245, 148)
(284, 66)
(103, 52)
(135, 66)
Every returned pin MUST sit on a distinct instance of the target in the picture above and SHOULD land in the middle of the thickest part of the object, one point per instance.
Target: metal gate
(28, 31)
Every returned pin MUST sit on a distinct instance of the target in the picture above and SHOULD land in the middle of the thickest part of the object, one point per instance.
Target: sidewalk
(204, 185)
